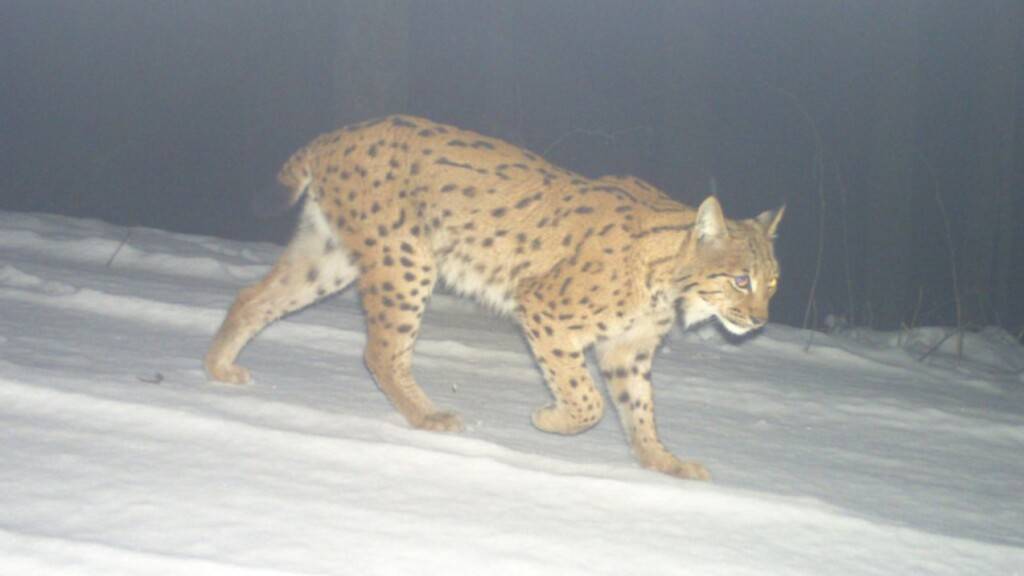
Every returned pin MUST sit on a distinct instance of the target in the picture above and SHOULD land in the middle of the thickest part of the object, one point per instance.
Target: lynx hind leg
(395, 288)
(312, 266)
(626, 366)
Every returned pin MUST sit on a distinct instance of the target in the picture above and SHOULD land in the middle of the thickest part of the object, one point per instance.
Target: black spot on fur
(402, 122)
(400, 221)
(442, 161)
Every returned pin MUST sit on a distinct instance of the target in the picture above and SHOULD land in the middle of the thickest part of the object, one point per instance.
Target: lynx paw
(689, 471)
(557, 420)
(231, 374)
(440, 422)
(666, 463)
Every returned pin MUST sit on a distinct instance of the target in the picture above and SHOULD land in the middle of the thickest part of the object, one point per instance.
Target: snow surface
(117, 456)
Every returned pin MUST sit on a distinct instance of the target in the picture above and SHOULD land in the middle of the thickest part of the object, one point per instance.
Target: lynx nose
(758, 321)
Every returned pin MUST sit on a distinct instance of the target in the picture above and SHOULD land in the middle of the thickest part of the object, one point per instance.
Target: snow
(847, 456)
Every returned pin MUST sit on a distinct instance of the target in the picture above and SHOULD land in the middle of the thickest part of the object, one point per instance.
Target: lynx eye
(773, 283)
(742, 281)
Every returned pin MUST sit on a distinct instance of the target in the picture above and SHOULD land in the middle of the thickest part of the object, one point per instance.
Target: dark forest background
(892, 130)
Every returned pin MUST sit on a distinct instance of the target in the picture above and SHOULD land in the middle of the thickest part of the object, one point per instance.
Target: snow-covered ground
(117, 456)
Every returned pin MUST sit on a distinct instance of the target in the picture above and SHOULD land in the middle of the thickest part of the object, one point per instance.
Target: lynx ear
(710, 222)
(769, 220)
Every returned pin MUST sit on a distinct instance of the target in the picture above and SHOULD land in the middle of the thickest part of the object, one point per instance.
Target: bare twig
(937, 305)
(119, 246)
(851, 311)
(939, 344)
(917, 306)
(821, 237)
(905, 328)
(818, 171)
(952, 259)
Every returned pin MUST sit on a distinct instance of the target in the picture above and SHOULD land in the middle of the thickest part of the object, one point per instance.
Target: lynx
(400, 202)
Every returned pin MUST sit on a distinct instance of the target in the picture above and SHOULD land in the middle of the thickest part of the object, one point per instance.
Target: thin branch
(819, 177)
(851, 311)
(952, 258)
(939, 344)
(119, 246)
(917, 306)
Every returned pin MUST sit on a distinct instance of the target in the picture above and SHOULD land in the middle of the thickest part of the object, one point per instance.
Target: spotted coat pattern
(398, 203)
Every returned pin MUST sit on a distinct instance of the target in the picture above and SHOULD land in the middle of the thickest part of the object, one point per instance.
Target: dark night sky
(170, 114)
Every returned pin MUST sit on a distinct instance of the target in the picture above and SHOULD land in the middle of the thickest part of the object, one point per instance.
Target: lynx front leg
(394, 293)
(578, 404)
(626, 366)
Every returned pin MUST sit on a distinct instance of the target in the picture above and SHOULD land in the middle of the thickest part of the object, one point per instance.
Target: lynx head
(731, 272)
